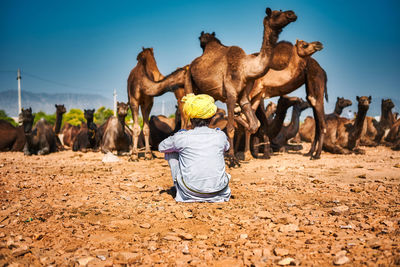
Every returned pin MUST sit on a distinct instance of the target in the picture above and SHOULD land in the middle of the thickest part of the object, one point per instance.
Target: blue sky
(91, 46)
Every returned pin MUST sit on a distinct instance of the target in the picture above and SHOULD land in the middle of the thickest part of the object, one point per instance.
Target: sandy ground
(71, 209)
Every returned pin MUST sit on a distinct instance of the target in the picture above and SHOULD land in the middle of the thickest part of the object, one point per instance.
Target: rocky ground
(71, 209)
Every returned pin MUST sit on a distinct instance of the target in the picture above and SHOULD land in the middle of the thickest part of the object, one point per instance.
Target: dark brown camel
(307, 129)
(270, 127)
(11, 138)
(374, 131)
(60, 110)
(393, 137)
(42, 139)
(86, 138)
(288, 72)
(162, 127)
(343, 135)
(280, 142)
(144, 84)
(115, 136)
(228, 73)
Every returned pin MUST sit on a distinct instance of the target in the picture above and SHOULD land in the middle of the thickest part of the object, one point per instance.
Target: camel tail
(326, 88)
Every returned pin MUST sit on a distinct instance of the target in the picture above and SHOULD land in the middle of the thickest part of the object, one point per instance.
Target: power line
(54, 82)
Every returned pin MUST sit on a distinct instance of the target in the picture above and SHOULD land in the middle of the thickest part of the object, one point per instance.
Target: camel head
(387, 104)
(88, 114)
(277, 20)
(27, 118)
(342, 102)
(122, 109)
(305, 49)
(146, 57)
(363, 102)
(270, 109)
(60, 109)
(205, 38)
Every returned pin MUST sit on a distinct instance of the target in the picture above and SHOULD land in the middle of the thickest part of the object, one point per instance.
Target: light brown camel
(343, 135)
(227, 73)
(143, 86)
(115, 136)
(307, 129)
(374, 131)
(393, 137)
(287, 73)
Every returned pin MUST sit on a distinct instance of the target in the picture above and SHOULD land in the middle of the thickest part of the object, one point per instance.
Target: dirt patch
(70, 208)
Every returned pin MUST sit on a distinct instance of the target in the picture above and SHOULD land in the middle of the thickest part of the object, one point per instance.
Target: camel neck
(359, 122)
(387, 116)
(270, 37)
(121, 120)
(151, 69)
(58, 123)
(338, 110)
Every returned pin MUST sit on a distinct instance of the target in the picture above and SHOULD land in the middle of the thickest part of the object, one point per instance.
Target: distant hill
(45, 102)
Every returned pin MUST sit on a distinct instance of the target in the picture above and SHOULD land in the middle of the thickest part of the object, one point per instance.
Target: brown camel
(86, 138)
(307, 129)
(374, 131)
(42, 139)
(60, 110)
(115, 136)
(288, 72)
(11, 138)
(343, 135)
(144, 84)
(69, 133)
(393, 137)
(227, 73)
(279, 143)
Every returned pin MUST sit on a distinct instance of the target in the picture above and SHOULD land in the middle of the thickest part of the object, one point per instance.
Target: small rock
(185, 236)
(187, 214)
(145, 226)
(287, 261)
(356, 189)
(397, 165)
(264, 215)
(110, 157)
(388, 223)
(346, 226)
(288, 228)
(316, 181)
(2, 235)
(340, 260)
(172, 238)
(101, 257)
(202, 237)
(339, 209)
(362, 176)
(243, 236)
(84, 261)
(20, 251)
(281, 251)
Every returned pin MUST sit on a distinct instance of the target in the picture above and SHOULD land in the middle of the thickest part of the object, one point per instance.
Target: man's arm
(168, 145)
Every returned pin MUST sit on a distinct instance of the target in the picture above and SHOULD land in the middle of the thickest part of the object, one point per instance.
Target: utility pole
(19, 91)
(115, 102)
(163, 108)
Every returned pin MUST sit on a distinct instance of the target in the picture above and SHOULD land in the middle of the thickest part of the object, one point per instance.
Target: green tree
(129, 119)
(4, 116)
(102, 115)
(74, 117)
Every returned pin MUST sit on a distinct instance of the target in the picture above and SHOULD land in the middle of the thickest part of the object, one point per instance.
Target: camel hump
(283, 52)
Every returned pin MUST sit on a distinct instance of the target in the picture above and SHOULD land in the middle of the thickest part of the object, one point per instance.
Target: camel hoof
(133, 158)
(248, 156)
(148, 156)
(233, 162)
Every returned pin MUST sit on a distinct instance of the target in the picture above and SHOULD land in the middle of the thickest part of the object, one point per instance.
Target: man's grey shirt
(201, 158)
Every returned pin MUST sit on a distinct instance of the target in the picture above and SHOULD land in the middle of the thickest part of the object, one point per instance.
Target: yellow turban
(199, 106)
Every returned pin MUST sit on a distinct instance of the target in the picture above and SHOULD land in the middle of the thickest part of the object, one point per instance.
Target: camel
(162, 127)
(393, 137)
(270, 126)
(343, 135)
(144, 83)
(86, 138)
(42, 139)
(279, 143)
(60, 110)
(289, 70)
(374, 131)
(227, 73)
(11, 138)
(69, 133)
(307, 129)
(115, 136)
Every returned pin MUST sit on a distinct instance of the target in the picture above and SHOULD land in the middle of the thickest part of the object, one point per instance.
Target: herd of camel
(240, 80)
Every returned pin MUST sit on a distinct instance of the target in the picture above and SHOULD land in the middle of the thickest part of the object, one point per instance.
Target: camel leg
(320, 126)
(230, 129)
(134, 105)
(247, 152)
(179, 94)
(146, 108)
